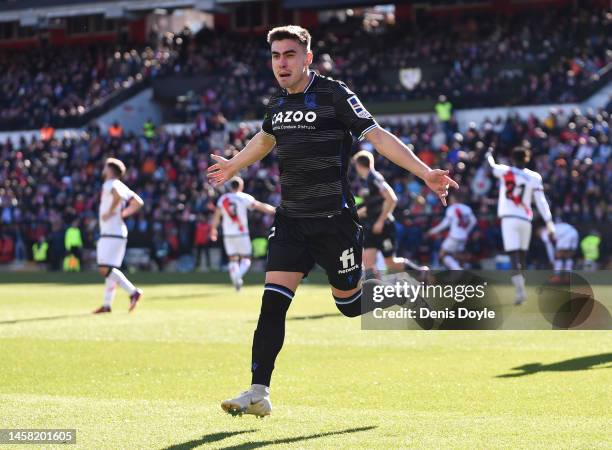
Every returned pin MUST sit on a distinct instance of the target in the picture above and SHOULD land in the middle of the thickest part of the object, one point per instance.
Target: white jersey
(566, 238)
(114, 226)
(461, 220)
(518, 187)
(234, 207)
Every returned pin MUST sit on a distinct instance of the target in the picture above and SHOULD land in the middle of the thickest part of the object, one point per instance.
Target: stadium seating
(530, 58)
(46, 184)
(61, 85)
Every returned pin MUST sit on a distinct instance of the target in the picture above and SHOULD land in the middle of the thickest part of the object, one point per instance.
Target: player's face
(290, 62)
(106, 173)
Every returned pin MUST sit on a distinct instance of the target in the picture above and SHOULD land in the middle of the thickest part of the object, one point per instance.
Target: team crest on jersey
(310, 100)
(358, 108)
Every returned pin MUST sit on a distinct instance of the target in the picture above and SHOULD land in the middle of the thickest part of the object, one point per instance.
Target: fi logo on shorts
(347, 258)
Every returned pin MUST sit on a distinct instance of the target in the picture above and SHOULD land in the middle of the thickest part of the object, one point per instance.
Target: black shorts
(385, 241)
(335, 243)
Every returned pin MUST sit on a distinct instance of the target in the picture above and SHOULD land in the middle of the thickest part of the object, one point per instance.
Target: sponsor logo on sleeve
(358, 108)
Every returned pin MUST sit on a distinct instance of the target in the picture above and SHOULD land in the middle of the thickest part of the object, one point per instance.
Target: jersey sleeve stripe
(364, 132)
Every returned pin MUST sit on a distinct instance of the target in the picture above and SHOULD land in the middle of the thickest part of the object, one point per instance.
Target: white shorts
(237, 245)
(568, 241)
(516, 234)
(452, 245)
(110, 251)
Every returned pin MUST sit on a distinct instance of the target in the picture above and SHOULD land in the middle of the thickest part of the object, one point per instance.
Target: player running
(117, 202)
(518, 186)
(232, 207)
(461, 220)
(376, 214)
(562, 249)
(310, 120)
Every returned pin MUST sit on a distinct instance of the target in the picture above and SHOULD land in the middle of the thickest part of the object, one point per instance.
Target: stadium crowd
(52, 85)
(45, 186)
(534, 57)
(530, 57)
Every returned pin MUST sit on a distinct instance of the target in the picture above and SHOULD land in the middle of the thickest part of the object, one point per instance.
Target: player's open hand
(221, 171)
(438, 181)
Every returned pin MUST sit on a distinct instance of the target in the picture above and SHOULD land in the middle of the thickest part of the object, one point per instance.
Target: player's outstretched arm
(263, 207)
(394, 150)
(257, 148)
(498, 169)
(544, 209)
(443, 225)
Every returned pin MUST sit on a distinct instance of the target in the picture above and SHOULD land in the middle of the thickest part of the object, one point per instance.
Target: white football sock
(518, 281)
(110, 287)
(451, 262)
(234, 270)
(558, 265)
(245, 264)
(122, 281)
(569, 264)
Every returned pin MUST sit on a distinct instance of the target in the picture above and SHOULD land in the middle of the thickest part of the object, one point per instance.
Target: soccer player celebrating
(232, 207)
(460, 218)
(310, 121)
(518, 186)
(117, 202)
(376, 213)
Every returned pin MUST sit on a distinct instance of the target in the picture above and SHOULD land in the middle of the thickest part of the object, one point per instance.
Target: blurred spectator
(590, 249)
(148, 129)
(40, 250)
(115, 130)
(46, 132)
(74, 245)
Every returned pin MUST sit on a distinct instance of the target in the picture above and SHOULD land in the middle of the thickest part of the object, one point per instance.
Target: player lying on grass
(310, 120)
(376, 216)
(233, 208)
(117, 202)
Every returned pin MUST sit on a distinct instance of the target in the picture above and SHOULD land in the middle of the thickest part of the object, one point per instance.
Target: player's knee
(275, 301)
(349, 306)
(104, 270)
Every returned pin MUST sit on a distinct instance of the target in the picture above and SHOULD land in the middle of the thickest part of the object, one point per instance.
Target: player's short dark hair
(116, 166)
(235, 183)
(293, 32)
(520, 155)
(364, 159)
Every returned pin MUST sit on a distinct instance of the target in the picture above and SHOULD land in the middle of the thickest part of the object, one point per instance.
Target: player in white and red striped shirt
(232, 212)
(518, 187)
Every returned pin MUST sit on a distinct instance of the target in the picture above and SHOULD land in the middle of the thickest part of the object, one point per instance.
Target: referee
(312, 121)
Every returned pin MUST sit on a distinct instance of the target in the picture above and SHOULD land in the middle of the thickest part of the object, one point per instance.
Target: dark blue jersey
(314, 132)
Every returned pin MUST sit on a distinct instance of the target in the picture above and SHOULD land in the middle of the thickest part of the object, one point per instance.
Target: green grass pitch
(154, 379)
